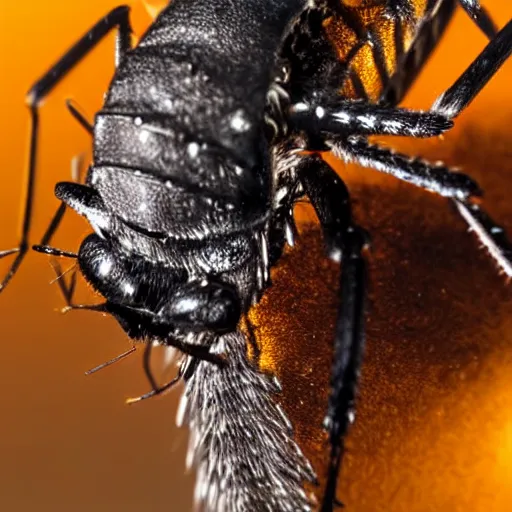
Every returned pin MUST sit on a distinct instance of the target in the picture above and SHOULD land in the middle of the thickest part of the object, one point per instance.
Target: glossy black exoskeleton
(198, 161)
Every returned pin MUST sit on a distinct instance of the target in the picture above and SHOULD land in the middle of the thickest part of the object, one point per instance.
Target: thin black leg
(22, 248)
(439, 179)
(198, 351)
(345, 241)
(410, 61)
(403, 10)
(74, 110)
(155, 392)
(43, 246)
(54, 224)
(319, 117)
(116, 18)
(481, 70)
(435, 178)
(70, 290)
(480, 16)
(155, 388)
(341, 117)
(146, 364)
(491, 235)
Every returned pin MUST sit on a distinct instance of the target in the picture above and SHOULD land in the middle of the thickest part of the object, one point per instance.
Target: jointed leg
(116, 18)
(435, 178)
(491, 235)
(327, 117)
(400, 11)
(345, 241)
(404, 9)
(45, 248)
(155, 388)
(438, 178)
(319, 117)
(480, 16)
(74, 110)
(61, 210)
(411, 60)
(336, 117)
(481, 70)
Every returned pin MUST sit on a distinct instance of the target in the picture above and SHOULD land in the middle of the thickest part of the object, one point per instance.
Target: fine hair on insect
(212, 129)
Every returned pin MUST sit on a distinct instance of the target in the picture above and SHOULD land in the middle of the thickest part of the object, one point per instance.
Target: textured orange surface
(372, 14)
(434, 424)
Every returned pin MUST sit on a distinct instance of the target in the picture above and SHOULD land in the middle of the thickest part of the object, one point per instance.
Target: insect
(198, 161)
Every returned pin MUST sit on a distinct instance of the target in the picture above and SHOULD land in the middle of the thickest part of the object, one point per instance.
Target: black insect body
(198, 161)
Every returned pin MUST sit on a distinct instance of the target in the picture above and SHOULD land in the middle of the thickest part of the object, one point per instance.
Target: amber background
(434, 428)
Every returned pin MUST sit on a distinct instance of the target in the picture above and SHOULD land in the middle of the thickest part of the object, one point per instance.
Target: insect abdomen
(209, 69)
(178, 113)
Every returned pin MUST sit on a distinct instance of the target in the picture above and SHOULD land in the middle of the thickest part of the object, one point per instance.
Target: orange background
(434, 429)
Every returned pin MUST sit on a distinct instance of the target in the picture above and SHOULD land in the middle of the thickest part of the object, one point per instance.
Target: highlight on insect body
(201, 153)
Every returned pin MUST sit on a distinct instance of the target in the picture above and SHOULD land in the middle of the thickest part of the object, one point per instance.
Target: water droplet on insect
(239, 123)
(193, 149)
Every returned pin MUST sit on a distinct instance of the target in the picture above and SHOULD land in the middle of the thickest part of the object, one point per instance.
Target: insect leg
(116, 18)
(59, 214)
(155, 388)
(438, 179)
(480, 16)
(435, 178)
(480, 71)
(198, 351)
(410, 61)
(74, 110)
(45, 248)
(491, 235)
(345, 241)
(360, 118)
(341, 117)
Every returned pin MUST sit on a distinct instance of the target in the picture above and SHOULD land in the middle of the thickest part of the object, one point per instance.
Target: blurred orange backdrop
(434, 429)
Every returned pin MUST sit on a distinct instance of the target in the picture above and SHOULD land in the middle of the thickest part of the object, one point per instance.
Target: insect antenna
(60, 273)
(66, 291)
(110, 361)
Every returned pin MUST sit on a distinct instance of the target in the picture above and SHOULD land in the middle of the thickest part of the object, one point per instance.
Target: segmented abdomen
(183, 119)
